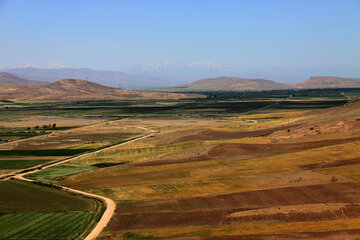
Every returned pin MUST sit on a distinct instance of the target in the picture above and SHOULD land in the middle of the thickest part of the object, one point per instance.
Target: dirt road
(110, 204)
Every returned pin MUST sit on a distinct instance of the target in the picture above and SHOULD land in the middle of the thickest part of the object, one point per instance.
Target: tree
(54, 125)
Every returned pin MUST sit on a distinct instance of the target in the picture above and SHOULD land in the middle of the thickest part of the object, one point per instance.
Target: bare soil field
(331, 235)
(210, 134)
(271, 174)
(275, 190)
(239, 151)
(99, 134)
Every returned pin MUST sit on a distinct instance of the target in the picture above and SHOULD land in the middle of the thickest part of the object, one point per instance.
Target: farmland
(30, 211)
(243, 177)
(66, 225)
(40, 211)
(254, 165)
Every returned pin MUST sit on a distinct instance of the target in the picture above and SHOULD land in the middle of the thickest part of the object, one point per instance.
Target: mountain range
(189, 72)
(168, 73)
(6, 78)
(76, 90)
(242, 84)
(107, 78)
(207, 84)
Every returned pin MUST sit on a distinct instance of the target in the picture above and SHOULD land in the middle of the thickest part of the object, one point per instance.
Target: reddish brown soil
(329, 235)
(240, 151)
(210, 134)
(231, 149)
(331, 164)
(349, 211)
(171, 161)
(213, 210)
(166, 219)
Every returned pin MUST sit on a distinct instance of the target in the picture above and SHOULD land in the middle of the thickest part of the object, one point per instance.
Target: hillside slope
(76, 89)
(233, 84)
(6, 78)
(341, 122)
(328, 82)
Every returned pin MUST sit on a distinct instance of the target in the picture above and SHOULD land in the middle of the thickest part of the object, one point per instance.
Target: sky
(118, 35)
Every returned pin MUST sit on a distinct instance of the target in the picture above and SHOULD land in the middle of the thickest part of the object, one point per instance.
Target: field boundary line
(109, 203)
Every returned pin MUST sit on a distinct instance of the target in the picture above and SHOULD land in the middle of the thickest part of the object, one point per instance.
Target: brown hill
(243, 84)
(76, 89)
(328, 82)
(233, 84)
(342, 120)
(6, 78)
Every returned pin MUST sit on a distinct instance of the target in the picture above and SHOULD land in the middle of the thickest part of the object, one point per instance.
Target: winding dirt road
(109, 204)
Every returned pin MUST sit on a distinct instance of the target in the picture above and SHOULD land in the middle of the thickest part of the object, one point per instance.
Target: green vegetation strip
(40, 225)
(20, 164)
(43, 152)
(57, 172)
(107, 164)
(21, 134)
(18, 196)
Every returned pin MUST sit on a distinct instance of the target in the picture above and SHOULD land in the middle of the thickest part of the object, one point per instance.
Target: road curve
(109, 204)
(105, 218)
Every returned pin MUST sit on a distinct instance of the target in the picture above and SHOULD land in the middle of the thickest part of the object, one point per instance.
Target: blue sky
(117, 35)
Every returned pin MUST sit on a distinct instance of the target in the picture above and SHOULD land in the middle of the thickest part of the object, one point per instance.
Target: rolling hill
(76, 89)
(233, 84)
(6, 78)
(328, 82)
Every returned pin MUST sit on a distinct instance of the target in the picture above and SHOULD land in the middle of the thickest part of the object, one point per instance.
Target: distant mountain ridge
(76, 90)
(6, 78)
(108, 78)
(243, 84)
(206, 84)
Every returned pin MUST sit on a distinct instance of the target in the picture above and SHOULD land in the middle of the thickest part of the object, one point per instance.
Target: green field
(42, 152)
(30, 211)
(18, 196)
(20, 164)
(43, 225)
(59, 171)
(216, 103)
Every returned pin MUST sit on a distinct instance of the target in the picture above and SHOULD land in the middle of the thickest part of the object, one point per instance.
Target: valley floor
(269, 174)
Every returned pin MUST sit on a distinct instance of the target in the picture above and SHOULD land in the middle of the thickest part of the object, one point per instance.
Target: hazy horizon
(184, 39)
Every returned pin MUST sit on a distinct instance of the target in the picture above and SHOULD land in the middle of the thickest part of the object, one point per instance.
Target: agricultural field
(30, 211)
(44, 211)
(276, 174)
(252, 165)
(65, 225)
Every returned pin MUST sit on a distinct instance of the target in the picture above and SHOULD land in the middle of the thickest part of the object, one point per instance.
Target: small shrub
(334, 179)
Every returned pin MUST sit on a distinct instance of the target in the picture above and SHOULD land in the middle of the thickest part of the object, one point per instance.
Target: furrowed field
(65, 225)
(33, 211)
(30, 211)
(254, 165)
